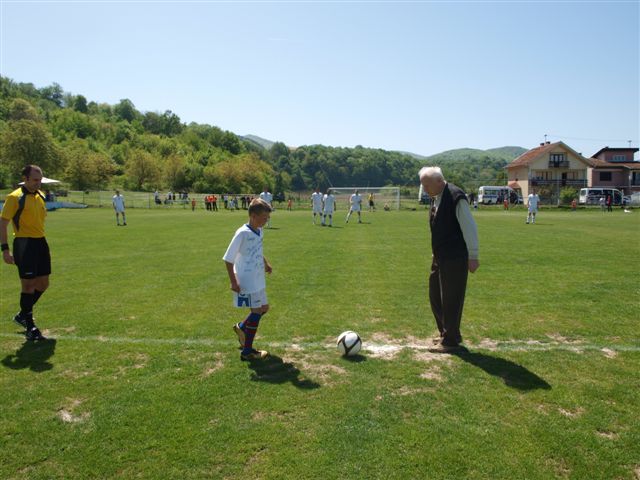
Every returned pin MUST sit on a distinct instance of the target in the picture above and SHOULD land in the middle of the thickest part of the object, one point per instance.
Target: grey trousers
(447, 287)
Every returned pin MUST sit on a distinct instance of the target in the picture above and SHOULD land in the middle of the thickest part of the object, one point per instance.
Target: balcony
(558, 163)
(539, 182)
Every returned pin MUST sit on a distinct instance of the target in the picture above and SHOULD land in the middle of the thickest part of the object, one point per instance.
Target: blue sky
(415, 76)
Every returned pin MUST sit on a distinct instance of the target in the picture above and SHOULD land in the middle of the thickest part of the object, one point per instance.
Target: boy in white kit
(246, 265)
(356, 206)
(118, 206)
(329, 206)
(316, 204)
(532, 203)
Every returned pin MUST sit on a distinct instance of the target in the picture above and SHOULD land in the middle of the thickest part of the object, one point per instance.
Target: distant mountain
(263, 142)
(510, 152)
(414, 155)
(472, 167)
(470, 154)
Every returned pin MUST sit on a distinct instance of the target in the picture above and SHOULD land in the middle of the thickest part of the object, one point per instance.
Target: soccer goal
(383, 197)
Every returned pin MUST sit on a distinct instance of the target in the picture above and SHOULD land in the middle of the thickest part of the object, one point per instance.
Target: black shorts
(32, 257)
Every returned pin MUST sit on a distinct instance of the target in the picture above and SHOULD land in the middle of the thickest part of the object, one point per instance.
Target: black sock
(36, 295)
(26, 305)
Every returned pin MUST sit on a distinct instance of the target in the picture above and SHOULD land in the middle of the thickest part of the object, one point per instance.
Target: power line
(590, 139)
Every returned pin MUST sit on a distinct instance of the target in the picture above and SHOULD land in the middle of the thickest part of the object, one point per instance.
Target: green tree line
(96, 145)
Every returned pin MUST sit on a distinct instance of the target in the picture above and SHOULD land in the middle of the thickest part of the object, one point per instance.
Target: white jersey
(118, 203)
(245, 252)
(356, 201)
(329, 203)
(316, 202)
(267, 197)
(533, 201)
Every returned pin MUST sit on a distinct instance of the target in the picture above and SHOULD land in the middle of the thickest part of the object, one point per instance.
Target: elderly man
(454, 244)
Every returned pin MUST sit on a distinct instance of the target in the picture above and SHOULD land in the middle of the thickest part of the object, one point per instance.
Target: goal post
(382, 196)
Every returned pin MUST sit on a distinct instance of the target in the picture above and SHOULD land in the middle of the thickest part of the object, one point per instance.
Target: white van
(591, 196)
(489, 195)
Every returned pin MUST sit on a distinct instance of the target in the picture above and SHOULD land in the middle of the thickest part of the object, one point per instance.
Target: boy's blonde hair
(259, 206)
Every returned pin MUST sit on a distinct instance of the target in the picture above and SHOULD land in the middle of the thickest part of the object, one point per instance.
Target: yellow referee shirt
(26, 212)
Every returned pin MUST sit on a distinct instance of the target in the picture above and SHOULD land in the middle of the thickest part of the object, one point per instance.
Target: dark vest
(446, 236)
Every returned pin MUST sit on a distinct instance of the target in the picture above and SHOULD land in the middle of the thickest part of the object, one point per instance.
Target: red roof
(597, 163)
(614, 149)
(527, 157)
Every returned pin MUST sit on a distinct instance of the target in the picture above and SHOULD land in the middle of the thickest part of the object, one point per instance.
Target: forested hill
(471, 168)
(96, 145)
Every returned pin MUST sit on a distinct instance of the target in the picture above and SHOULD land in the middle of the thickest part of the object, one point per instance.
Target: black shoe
(20, 321)
(34, 335)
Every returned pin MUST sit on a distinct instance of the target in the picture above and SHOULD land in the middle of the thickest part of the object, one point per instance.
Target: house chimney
(548, 143)
(542, 144)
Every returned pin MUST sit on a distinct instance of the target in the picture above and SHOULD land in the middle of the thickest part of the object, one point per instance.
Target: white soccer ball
(349, 343)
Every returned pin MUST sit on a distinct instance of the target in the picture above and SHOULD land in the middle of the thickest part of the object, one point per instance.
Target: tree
(80, 104)
(142, 169)
(125, 110)
(87, 169)
(27, 142)
(53, 93)
(20, 109)
(174, 172)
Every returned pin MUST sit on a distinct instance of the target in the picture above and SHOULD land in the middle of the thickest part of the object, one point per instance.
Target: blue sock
(250, 328)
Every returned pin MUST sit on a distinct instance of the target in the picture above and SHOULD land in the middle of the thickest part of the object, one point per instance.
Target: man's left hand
(473, 264)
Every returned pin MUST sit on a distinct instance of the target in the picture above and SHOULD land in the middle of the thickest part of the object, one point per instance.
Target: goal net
(382, 196)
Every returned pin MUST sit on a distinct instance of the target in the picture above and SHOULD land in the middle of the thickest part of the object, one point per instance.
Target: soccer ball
(349, 343)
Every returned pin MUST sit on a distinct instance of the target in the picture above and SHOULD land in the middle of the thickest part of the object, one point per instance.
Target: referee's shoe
(34, 335)
(20, 321)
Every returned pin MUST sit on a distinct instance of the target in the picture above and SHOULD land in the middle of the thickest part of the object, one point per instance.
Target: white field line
(509, 345)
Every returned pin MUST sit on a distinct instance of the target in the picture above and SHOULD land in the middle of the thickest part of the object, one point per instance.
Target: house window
(557, 160)
(619, 158)
(605, 176)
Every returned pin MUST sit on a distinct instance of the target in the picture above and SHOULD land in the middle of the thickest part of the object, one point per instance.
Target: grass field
(142, 377)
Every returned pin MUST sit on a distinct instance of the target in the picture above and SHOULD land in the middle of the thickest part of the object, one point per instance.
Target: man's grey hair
(431, 172)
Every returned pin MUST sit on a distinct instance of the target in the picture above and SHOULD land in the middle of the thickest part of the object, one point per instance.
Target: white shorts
(250, 300)
(119, 210)
(355, 208)
(533, 210)
(328, 212)
(317, 210)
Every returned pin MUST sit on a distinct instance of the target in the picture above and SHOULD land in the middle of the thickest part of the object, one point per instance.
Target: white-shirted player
(532, 206)
(118, 206)
(246, 267)
(267, 197)
(316, 204)
(355, 203)
(329, 202)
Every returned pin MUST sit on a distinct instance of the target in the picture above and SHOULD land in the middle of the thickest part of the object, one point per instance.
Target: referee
(25, 209)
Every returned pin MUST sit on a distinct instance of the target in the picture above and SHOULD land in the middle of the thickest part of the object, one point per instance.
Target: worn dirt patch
(68, 413)
(607, 435)
(607, 352)
(571, 413)
(213, 365)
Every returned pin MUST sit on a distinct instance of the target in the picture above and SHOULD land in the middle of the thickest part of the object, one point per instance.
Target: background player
(355, 203)
(329, 202)
(316, 204)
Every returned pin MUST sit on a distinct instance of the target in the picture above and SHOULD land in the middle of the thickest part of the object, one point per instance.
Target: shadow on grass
(32, 355)
(354, 358)
(274, 370)
(513, 375)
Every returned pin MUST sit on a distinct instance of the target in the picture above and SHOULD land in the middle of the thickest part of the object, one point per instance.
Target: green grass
(143, 379)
